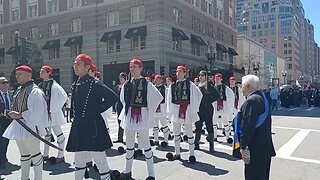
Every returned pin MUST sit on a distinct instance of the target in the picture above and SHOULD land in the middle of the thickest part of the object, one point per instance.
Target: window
(273, 10)
(138, 42)
(113, 18)
(177, 44)
(208, 6)
(272, 32)
(255, 19)
(285, 45)
(260, 33)
(76, 25)
(259, 26)
(53, 29)
(1, 18)
(285, 30)
(137, 14)
(196, 3)
(34, 33)
(196, 24)
(285, 23)
(289, 51)
(254, 34)
(272, 24)
(266, 32)
(195, 49)
(273, 46)
(33, 10)
(113, 45)
(266, 25)
(272, 17)
(1, 39)
(15, 15)
(54, 53)
(2, 59)
(177, 15)
(285, 52)
(254, 26)
(220, 9)
(263, 18)
(75, 50)
(74, 4)
(52, 6)
(289, 66)
(265, 7)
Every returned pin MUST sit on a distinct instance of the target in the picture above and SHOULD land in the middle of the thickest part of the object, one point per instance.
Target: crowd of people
(142, 103)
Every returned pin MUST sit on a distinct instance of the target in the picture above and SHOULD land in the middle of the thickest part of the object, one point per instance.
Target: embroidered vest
(180, 91)
(46, 87)
(162, 90)
(135, 93)
(222, 92)
(235, 90)
(20, 98)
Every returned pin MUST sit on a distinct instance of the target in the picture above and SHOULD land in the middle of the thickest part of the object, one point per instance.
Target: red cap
(232, 78)
(24, 68)
(158, 76)
(218, 75)
(93, 67)
(181, 68)
(98, 74)
(169, 78)
(148, 78)
(85, 58)
(47, 68)
(136, 61)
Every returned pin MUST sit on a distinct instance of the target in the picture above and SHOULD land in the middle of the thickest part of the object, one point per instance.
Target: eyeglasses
(5, 82)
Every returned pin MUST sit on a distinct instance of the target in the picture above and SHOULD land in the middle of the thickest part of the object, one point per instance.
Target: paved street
(296, 134)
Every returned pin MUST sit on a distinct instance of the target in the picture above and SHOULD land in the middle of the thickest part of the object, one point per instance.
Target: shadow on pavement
(204, 167)
(169, 149)
(223, 155)
(114, 152)
(58, 168)
(155, 159)
(9, 169)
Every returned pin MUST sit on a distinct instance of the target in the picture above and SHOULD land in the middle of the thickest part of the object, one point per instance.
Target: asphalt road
(296, 134)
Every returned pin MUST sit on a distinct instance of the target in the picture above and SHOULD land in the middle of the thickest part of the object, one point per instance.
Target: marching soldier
(88, 137)
(56, 97)
(184, 99)
(29, 107)
(140, 99)
(223, 106)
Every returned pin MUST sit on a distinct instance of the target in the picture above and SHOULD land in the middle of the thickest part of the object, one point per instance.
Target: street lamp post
(284, 74)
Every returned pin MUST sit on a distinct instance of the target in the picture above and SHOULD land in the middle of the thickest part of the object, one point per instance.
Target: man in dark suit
(4, 121)
(256, 146)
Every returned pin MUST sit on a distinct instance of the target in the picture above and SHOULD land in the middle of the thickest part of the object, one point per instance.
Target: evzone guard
(30, 107)
(160, 115)
(238, 97)
(223, 107)
(140, 99)
(56, 97)
(88, 137)
(184, 99)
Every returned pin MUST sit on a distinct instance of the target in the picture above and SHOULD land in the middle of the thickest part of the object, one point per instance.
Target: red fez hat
(136, 61)
(169, 78)
(218, 75)
(47, 68)
(24, 68)
(98, 74)
(232, 78)
(85, 58)
(93, 67)
(148, 78)
(181, 68)
(158, 76)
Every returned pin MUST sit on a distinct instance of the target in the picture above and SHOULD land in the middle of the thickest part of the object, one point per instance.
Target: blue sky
(311, 8)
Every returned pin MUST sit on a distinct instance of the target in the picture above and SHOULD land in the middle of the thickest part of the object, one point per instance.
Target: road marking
(301, 159)
(292, 109)
(310, 109)
(292, 128)
(287, 149)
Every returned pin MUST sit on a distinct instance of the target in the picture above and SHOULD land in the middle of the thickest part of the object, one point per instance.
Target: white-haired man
(254, 121)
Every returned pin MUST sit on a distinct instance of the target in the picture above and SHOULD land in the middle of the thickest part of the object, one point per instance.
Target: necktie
(7, 101)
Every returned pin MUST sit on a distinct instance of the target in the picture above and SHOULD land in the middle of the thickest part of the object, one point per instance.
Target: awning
(179, 33)
(52, 44)
(137, 31)
(73, 40)
(233, 52)
(12, 50)
(197, 39)
(111, 35)
(221, 47)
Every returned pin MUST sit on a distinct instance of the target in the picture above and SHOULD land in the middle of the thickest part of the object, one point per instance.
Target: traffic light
(162, 70)
(25, 51)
